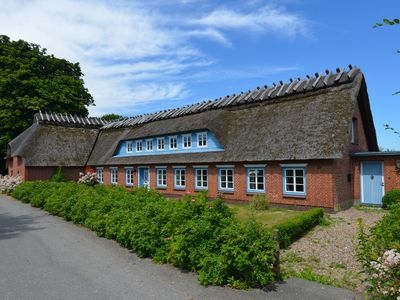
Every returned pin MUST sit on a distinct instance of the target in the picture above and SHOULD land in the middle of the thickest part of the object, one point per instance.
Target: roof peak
(258, 94)
(52, 118)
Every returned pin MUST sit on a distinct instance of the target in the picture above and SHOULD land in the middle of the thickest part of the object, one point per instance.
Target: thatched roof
(311, 124)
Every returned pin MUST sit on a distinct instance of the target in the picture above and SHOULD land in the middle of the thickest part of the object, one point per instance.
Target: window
(100, 175)
(294, 180)
(201, 180)
(149, 145)
(128, 147)
(129, 176)
(139, 146)
(180, 179)
(255, 179)
(114, 175)
(173, 143)
(354, 131)
(160, 144)
(202, 139)
(161, 177)
(187, 141)
(225, 179)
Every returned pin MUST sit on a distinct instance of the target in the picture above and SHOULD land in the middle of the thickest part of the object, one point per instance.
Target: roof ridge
(265, 93)
(46, 117)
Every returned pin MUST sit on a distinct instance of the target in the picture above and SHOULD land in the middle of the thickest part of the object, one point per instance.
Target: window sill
(179, 188)
(161, 187)
(255, 192)
(226, 191)
(299, 196)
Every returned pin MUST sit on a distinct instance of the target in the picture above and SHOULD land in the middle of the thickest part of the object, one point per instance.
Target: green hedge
(298, 226)
(390, 198)
(193, 234)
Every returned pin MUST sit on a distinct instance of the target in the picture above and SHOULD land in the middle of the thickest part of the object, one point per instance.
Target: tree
(111, 117)
(32, 80)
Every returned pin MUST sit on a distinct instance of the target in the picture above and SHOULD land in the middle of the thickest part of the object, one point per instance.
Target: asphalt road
(44, 257)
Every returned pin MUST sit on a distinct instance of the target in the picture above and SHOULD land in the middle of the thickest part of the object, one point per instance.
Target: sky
(144, 56)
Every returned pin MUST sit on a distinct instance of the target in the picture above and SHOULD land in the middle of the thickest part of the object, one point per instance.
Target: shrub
(194, 234)
(58, 176)
(9, 183)
(89, 179)
(390, 198)
(298, 226)
(259, 202)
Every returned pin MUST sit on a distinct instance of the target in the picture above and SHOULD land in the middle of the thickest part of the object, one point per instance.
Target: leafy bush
(59, 176)
(259, 202)
(379, 253)
(298, 226)
(194, 234)
(9, 183)
(390, 198)
(89, 179)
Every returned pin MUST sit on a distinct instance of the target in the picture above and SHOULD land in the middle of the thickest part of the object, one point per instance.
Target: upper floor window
(201, 180)
(160, 144)
(225, 179)
(114, 175)
(294, 180)
(100, 175)
(173, 142)
(149, 145)
(202, 139)
(129, 176)
(187, 141)
(354, 131)
(255, 179)
(161, 177)
(139, 146)
(128, 147)
(180, 179)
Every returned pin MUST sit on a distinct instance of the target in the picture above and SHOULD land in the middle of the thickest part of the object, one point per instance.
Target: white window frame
(100, 178)
(203, 183)
(176, 142)
(129, 178)
(220, 177)
(140, 142)
(189, 141)
(257, 182)
(178, 179)
(112, 170)
(158, 144)
(294, 168)
(206, 139)
(161, 171)
(149, 142)
(129, 147)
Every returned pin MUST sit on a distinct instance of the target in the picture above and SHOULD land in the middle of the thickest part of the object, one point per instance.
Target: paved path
(44, 257)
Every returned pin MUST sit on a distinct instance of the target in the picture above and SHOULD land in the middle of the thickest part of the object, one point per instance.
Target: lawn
(269, 218)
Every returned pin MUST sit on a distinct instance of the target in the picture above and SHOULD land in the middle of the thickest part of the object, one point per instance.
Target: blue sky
(143, 56)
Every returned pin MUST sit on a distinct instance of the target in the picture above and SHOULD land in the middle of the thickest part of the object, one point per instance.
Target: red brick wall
(16, 166)
(44, 173)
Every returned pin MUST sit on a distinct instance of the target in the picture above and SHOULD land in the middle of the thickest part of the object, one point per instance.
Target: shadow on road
(12, 226)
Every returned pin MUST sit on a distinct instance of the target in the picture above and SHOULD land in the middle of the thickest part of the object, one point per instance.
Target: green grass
(269, 218)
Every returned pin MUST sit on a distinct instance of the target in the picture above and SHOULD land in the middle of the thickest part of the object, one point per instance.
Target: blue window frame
(255, 179)
(226, 181)
(201, 178)
(294, 180)
(161, 180)
(129, 148)
(129, 176)
(139, 146)
(180, 179)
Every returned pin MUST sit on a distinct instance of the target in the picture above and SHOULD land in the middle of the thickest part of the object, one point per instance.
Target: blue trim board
(294, 194)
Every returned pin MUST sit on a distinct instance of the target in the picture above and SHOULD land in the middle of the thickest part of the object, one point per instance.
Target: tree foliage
(32, 80)
(111, 117)
(387, 22)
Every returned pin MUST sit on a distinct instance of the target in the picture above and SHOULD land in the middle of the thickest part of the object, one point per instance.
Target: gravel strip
(330, 250)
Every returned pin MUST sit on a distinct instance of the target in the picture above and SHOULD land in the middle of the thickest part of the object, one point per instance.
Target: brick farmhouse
(309, 142)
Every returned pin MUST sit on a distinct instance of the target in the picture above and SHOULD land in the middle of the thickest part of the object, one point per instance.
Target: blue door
(144, 177)
(371, 182)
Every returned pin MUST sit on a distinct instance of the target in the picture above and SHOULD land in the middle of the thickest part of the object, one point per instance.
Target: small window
(129, 176)
(354, 131)
(139, 146)
(294, 181)
(201, 180)
(161, 177)
(180, 179)
(128, 147)
(100, 175)
(226, 182)
(173, 142)
(255, 180)
(114, 175)
(187, 141)
(202, 139)
(149, 145)
(160, 144)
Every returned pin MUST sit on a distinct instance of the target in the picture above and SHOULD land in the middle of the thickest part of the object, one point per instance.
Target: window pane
(289, 179)
(299, 180)
(299, 188)
(260, 186)
(289, 172)
(252, 186)
(290, 187)
(299, 172)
